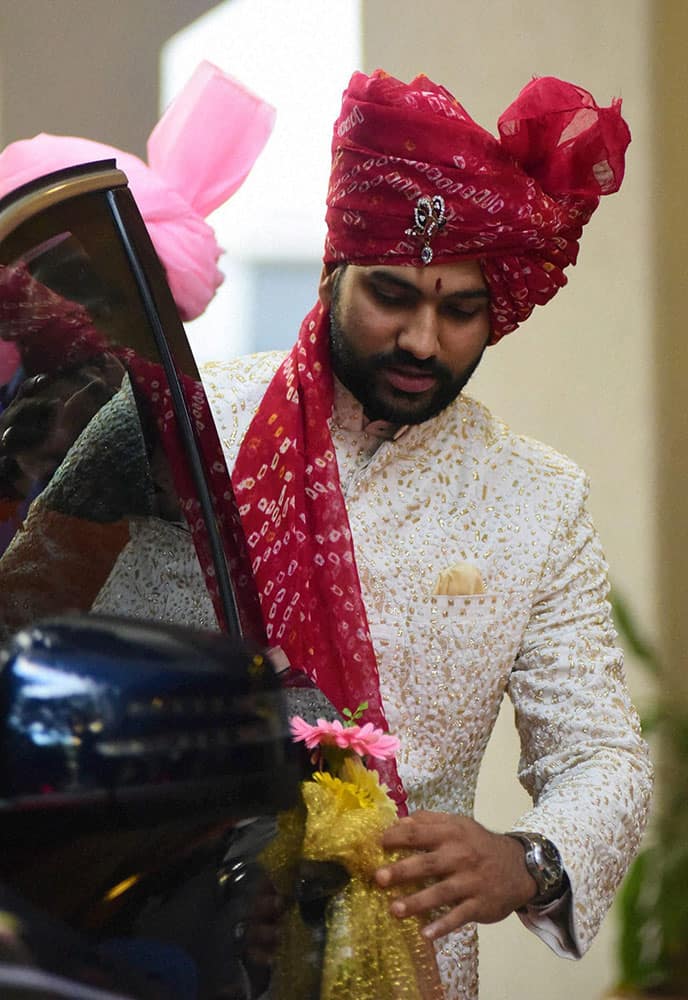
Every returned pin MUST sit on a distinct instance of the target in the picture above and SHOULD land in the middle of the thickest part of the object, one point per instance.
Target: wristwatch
(543, 862)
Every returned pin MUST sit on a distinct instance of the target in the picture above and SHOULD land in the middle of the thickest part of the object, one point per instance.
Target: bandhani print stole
(296, 525)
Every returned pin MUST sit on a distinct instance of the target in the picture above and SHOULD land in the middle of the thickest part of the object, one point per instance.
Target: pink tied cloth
(199, 153)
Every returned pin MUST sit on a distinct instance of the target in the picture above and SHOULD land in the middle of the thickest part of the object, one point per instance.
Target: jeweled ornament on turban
(416, 181)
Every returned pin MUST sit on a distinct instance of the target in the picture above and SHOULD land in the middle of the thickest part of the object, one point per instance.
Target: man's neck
(348, 413)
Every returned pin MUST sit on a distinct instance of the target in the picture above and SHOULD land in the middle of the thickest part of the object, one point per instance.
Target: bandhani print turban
(415, 180)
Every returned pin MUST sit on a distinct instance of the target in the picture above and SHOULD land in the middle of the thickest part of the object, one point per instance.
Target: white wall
(278, 50)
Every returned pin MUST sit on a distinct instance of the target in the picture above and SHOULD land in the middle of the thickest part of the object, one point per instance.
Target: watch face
(551, 853)
(547, 858)
(543, 861)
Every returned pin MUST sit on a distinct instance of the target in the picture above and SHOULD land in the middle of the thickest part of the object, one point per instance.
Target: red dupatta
(286, 482)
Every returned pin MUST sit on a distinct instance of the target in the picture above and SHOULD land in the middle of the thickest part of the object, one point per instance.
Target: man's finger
(419, 836)
(415, 868)
(458, 916)
(441, 894)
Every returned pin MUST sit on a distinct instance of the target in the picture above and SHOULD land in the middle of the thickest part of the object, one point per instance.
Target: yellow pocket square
(461, 578)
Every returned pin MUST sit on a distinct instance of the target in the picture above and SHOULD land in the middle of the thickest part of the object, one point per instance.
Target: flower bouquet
(366, 952)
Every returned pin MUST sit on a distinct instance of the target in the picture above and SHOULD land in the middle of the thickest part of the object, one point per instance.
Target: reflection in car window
(85, 485)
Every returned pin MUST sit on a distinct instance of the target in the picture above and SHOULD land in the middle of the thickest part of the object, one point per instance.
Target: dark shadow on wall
(85, 67)
(671, 353)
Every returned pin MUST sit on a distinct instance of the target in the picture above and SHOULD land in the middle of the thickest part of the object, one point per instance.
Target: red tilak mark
(438, 285)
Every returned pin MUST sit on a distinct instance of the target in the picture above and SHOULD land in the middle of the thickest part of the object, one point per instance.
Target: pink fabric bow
(199, 153)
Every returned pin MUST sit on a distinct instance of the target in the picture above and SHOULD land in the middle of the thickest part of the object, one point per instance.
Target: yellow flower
(345, 794)
(358, 788)
(368, 784)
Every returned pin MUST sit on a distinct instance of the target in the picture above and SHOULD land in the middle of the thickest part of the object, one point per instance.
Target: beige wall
(581, 374)
(670, 79)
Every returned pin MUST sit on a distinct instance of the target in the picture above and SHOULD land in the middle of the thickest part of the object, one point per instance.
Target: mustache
(399, 358)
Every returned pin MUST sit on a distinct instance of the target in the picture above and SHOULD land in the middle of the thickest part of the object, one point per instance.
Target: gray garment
(105, 475)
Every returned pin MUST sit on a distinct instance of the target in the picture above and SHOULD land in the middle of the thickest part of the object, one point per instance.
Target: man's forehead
(455, 278)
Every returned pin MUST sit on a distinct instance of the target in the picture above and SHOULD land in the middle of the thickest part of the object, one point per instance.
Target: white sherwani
(462, 488)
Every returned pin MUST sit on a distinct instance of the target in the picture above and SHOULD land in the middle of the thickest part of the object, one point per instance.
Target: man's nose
(420, 334)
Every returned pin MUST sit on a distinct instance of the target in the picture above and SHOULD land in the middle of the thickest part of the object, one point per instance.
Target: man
(410, 550)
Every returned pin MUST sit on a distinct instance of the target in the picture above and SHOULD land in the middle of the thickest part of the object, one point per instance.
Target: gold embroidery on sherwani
(463, 489)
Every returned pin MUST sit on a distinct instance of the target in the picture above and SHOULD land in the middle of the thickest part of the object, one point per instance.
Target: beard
(362, 375)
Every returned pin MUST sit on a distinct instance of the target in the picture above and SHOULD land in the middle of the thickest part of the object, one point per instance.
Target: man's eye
(463, 315)
(388, 298)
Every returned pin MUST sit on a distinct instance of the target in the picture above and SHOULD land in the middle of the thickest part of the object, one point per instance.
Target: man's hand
(472, 873)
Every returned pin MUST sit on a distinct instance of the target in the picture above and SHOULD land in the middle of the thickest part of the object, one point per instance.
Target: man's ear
(325, 285)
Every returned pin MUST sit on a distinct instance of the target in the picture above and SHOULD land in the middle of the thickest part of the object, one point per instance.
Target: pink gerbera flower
(367, 741)
(371, 742)
(323, 733)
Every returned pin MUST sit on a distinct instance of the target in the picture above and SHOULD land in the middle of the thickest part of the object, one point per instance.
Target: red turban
(52, 333)
(415, 179)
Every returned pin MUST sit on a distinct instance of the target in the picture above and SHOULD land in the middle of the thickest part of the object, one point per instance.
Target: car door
(115, 501)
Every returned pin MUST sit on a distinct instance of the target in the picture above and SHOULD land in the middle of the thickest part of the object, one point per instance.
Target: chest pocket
(443, 664)
(455, 617)
(443, 655)
(443, 611)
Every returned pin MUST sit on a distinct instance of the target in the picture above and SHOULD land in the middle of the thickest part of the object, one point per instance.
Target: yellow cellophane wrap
(293, 972)
(369, 954)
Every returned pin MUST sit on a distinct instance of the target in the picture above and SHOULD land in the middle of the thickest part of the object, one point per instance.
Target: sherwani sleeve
(583, 760)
